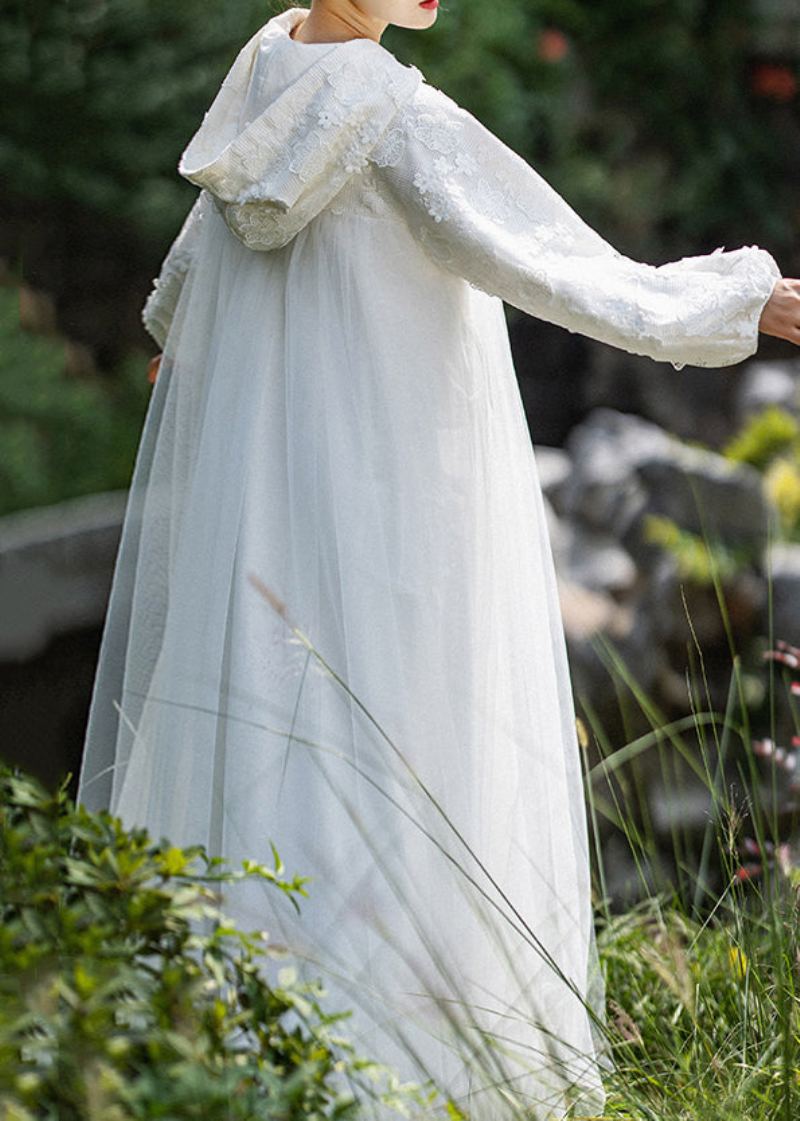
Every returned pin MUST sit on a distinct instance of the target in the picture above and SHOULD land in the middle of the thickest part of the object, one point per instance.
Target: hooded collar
(243, 135)
(253, 146)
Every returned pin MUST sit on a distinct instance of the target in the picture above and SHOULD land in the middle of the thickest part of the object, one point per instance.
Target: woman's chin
(422, 18)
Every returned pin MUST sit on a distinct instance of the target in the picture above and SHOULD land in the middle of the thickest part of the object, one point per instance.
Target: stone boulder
(782, 568)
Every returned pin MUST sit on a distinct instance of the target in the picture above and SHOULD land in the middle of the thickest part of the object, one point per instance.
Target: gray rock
(627, 878)
(659, 601)
(596, 560)
(705, 492)
(605, 449)
(56, 564)
(590, 618)
(782, 566)
(679, 612)
(768, 383)
(607, 641)
(689, 806)
(586, 613)
(553, 467)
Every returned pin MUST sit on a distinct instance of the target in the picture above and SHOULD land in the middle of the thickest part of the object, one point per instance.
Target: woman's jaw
(338, 20)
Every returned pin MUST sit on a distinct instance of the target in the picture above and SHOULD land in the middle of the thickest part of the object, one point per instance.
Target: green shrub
(114, 1005)
(61, 436)
(697, 559)
(770, 441)
(127, 81)
(765, 435)
(782, 485)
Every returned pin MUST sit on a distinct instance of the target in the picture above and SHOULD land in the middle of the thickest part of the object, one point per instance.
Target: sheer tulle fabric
(393, 506)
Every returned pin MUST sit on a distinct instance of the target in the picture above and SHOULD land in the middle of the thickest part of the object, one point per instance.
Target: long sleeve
(159, 307)
(483, 212)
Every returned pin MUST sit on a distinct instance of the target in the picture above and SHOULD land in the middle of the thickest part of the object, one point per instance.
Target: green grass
(703, 972)
(704, 1014)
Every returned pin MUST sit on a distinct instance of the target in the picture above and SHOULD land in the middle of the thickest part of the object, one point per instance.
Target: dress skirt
(334, 626)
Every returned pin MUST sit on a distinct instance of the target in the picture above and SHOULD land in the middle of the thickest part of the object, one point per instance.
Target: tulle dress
(334, 620)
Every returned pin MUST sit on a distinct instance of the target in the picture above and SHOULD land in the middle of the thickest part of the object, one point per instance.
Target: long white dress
(337, 420)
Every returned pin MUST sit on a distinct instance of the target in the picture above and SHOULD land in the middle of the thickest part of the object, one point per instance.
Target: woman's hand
(152, 368)
(781, 314)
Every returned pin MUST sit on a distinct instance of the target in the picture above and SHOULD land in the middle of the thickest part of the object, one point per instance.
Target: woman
(335, 453)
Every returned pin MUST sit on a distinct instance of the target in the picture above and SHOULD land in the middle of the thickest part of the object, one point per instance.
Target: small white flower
(354, 160)
(330, 115)
(425, 181)
(491, 201)
(368, 132)
(349, 82)
(439, 207)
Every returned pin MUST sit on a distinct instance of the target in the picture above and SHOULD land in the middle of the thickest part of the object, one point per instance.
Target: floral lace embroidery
(459, 184)
(159, 307)
(362, 195)
(455, 172)
(344, 135)
(326, 146)
(338, 115)
(489, 190)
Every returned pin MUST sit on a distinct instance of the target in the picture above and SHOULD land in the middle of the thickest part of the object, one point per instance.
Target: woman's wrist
(781, 314)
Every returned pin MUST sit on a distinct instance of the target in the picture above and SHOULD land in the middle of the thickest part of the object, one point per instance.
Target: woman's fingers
(152, 368)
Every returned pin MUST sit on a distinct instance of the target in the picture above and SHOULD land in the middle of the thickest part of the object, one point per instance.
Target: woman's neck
(336, 21)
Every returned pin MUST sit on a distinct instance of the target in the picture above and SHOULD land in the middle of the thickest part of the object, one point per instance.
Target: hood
(290, 124)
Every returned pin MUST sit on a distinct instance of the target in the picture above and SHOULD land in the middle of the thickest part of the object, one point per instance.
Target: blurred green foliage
(698, 559)
(768, 433)
(770, 441)
(101, 96)
(640, 112)
(61, 436)
(126, 994)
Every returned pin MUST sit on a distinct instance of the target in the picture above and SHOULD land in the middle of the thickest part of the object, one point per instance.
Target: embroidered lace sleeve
(159, 307)
(483, 212)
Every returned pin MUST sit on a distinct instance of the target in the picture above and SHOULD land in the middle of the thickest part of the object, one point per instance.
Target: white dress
(337, 419)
